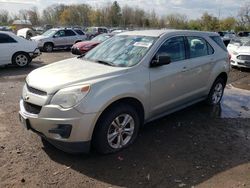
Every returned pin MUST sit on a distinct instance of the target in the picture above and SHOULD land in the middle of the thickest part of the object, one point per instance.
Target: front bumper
(35, 54)
(51, 118)
(239, 63)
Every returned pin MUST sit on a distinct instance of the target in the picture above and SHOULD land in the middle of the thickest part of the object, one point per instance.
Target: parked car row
(101, 99)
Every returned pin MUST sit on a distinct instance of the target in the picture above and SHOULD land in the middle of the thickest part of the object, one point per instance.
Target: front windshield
(122, 51)
(101, 37)
(49, 32)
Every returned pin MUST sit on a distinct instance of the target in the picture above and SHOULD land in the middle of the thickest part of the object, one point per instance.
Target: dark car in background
(226, 36)
(94, 31)
(83, 47)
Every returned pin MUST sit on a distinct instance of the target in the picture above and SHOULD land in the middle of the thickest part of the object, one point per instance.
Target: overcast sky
(192, 8)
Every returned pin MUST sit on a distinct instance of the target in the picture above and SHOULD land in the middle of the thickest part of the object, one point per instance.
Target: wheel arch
(125, 100)
(222, 75)
(19, 52)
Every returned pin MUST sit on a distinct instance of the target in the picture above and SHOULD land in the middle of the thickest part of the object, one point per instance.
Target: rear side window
(79, 32)
(4, 38)
(218, 40)
(69, 33)
(199, 47)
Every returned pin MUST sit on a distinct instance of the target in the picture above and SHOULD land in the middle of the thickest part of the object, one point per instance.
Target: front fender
(106, 92)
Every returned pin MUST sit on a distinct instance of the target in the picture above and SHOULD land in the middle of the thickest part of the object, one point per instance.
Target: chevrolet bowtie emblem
(26, 98)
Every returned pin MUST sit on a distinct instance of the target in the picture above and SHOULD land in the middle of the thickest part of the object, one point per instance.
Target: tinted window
(102, 30)
(79, 32)
(174, 48)
(4, 38)
(218, 40)
(199, 47)
(69, 33)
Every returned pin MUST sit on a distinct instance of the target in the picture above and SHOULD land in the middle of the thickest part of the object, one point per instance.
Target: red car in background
(84, 46)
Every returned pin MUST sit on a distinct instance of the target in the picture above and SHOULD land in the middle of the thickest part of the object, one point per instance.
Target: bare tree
(4, 17)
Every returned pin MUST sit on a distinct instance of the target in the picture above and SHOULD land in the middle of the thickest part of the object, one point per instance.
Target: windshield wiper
(82, 55)
(105, 63)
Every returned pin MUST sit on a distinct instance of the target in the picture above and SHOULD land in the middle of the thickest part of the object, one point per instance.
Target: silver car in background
(59, 38)
(135, 77)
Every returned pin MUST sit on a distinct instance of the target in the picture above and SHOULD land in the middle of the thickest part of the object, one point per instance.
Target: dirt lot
(199, 146)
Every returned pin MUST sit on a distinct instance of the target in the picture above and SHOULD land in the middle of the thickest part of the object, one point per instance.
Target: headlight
(235, 53)
(70, 96)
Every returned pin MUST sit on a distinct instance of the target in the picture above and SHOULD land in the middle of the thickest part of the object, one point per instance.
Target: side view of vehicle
(16, 50)
(84, 46)
(135, 77)
(239, 49)
(59, 38)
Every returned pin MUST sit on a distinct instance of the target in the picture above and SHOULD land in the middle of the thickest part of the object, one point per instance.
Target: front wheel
(48, 47)
(216, 92)
(116, 129)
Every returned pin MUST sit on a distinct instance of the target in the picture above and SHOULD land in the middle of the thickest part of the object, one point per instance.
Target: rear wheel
(48, 47)
(21, 59)
(116, 129)
(216, 92)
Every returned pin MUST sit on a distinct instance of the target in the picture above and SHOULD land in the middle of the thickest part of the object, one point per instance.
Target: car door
(71, 37)
(7, 48)
(199, 67)
(60, 39)
(168, 85)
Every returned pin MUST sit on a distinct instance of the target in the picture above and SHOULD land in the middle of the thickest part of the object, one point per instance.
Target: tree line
(113, 15)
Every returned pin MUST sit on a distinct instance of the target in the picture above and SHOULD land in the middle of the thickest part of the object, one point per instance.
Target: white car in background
(239, 49)
(16, 50)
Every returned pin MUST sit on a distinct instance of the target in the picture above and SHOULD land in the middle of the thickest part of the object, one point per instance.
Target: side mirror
(160, 60)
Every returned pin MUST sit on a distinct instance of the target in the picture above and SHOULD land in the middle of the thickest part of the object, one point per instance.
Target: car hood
(39, 37)
(68, 72)
(244, 49)
(86, 43)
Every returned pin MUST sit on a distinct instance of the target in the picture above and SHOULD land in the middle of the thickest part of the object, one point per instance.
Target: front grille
(244, 57)
(35, 91)
(32, 108)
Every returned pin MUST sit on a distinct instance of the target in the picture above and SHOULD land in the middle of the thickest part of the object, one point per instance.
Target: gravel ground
(199, 146)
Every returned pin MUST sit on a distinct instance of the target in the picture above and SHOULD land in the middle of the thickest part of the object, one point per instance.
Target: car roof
(158, 33)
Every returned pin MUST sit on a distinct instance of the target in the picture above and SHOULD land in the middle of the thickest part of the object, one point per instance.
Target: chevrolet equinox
(101, 99)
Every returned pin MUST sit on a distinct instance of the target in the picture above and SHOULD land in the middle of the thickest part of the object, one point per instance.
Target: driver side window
(60, 33)
(174, 48)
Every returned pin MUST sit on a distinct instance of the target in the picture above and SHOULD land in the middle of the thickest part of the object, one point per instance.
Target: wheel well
(19, 52)
(130, 101)
(49, 43)
(224, 76)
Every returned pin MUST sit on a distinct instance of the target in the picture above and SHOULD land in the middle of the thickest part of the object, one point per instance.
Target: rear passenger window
(69, 33)
(79, 32)
(218, 41)
(4, 38)
(174, 48)
(199, 47)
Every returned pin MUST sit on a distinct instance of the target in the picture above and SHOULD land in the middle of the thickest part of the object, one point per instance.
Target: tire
(112, 134)
(48, 47)
(21, 59)
(216, 92)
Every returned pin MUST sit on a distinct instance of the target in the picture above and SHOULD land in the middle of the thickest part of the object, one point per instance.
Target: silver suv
(103, 98)
(59, 38)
